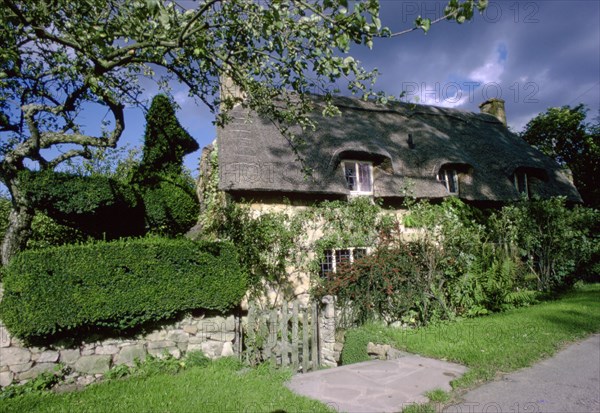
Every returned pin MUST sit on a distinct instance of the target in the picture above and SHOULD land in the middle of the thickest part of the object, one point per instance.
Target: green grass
(219, 387)
(501, 342)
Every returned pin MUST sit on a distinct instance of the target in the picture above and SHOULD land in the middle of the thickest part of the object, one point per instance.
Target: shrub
(117, 285)
(171, 205)
(386, 284)
(555, 240)
(99, 206)
(355, 346)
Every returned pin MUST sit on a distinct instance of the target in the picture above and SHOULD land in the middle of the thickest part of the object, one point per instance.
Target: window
(520, 182)
(333, 258)
(359, 177)
(449, 177)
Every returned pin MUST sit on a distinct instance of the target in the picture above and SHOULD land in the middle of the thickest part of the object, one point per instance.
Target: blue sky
(532, 54)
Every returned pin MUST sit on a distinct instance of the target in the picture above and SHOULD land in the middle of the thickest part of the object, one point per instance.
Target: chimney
(494, 107)
(231, 93)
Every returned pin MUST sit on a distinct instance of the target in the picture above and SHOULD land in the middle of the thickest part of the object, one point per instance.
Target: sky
(532, 54)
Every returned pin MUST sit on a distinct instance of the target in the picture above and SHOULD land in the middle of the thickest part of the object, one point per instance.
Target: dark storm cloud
(536, 54)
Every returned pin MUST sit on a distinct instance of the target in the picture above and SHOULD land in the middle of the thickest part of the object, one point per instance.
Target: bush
(98, 206)
(117, 285)
(386, 284)
(171, 205)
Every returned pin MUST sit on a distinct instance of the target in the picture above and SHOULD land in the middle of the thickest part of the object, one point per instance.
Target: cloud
(491, 71)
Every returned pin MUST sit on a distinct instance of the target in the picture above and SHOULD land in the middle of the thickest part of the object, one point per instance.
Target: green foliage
(165, 142)
(556, 241)
(117, 285)
(42, 382)
(96, 205)
(222, 386)
(387, 284)
(46, 232)
(170, 201)
(358, 222)
(267, 243)
(118, 163)
(563, 134)
(355, 346)
(170, 205)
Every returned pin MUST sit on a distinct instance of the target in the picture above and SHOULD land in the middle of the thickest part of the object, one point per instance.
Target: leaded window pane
(364, 171)
(350, 172)
(327, 263)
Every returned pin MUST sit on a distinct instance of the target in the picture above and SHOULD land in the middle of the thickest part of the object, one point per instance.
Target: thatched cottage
(388, 152)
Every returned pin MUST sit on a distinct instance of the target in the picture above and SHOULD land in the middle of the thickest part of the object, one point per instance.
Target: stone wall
(214, 336)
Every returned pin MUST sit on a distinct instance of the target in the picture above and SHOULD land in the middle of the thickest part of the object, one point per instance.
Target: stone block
(160, 344)
(69, 356)
(158, 335)
(230, 323)
(6, 378)
(227, 350)
(190, 329)
(4, 337)
(107, 349)
(197, 340)
(378, 350)
(178, 336)
(160, 352)
(194, 347)
(36, 370)
(85, 380)
(93, 364)
(14, 355)
(212, 349)
(48, 357)
(18, 368)
(128, 354)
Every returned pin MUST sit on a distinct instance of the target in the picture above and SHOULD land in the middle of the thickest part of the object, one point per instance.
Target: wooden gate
(284, 336)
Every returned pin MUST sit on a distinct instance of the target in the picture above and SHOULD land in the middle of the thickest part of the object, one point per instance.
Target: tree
(563, 134)
(58, 58)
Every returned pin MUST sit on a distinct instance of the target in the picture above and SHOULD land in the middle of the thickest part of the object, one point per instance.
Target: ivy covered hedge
(117, 285)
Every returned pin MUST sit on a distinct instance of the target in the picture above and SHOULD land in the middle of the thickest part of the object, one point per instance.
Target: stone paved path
(378, 385)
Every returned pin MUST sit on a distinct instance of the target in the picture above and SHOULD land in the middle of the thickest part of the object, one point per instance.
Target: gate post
(327, 332)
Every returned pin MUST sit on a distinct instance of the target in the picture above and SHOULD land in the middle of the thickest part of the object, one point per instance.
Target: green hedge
(117, 285)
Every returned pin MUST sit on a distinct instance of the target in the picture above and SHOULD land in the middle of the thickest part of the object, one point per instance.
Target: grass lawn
(219, 387)
(501, 342)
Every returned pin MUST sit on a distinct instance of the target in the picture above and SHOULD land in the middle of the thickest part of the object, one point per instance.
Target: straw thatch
(254, 156)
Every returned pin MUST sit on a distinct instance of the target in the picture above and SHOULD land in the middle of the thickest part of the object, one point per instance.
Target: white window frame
(444, 176)
(334, 252)
(354, 164)
(521, 191)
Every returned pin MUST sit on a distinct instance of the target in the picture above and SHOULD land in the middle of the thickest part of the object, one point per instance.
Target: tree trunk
(19, 224)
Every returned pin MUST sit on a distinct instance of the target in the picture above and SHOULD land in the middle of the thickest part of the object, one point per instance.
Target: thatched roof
(253, 155)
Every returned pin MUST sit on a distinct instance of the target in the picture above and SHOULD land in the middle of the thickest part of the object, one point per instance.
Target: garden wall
(215, 336)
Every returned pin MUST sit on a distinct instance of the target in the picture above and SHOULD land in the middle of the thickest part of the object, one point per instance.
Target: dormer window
(449, 177)
(521, 183)
(359, 177)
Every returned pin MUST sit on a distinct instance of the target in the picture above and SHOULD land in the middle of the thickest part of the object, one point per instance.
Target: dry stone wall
(214, 336)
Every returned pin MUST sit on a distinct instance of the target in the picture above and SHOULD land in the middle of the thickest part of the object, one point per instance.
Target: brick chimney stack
(494, 107)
